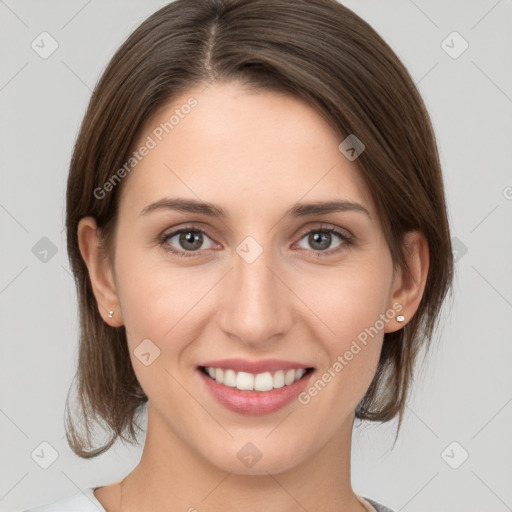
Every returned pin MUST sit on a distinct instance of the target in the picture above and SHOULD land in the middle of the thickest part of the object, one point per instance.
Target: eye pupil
(191, 237)
(321, 239)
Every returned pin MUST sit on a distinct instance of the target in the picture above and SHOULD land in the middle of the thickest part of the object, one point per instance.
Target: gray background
(464, 391)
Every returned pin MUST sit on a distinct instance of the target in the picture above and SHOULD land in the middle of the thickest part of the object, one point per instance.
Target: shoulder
(377, 506)
(83, 501)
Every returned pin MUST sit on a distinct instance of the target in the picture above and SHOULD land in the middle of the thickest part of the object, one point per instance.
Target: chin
(257, 458)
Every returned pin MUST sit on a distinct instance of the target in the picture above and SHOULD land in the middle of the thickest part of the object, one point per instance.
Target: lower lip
(254, 402)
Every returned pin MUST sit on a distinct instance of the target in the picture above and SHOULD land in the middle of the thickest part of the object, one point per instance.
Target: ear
(408, 287)
(100, 273)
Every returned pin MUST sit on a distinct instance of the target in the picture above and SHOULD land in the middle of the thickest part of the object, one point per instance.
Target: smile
(254, 394)
(245, 381)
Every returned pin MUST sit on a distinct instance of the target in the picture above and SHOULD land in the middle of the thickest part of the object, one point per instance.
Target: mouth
(257, 383)
(268, 387)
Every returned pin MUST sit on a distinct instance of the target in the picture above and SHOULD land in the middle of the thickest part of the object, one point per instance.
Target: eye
(321, 239)
(188, 241)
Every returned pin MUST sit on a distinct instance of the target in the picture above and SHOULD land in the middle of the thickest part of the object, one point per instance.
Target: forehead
(241, 148)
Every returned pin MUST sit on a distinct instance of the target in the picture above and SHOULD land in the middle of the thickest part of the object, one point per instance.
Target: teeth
(243, 381)
(250, 382)
(229, 378)
(263, 382)
(289, 377)
(278, 379)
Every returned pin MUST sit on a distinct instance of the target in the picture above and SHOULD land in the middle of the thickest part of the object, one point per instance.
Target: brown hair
(317, 50)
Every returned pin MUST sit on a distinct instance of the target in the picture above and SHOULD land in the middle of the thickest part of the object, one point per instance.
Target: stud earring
(110, 314)
(400, 318)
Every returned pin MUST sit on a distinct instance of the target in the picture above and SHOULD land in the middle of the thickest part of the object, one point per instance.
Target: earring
(110, 314)
(400, 318)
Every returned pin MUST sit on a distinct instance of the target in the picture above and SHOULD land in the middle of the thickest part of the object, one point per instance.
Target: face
(272, 278)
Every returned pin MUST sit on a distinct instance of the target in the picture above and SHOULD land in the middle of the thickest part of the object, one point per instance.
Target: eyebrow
(211, 210)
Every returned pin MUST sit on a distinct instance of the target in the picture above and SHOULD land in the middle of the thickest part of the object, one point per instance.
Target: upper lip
(261, 366)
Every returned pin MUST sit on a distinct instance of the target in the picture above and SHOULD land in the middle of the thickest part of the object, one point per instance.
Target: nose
(256, 305)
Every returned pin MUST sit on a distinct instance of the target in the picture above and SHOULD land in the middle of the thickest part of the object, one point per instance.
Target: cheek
(165, 308)
(162, 305)
(154, 294)
(352, 305)
(349, 299)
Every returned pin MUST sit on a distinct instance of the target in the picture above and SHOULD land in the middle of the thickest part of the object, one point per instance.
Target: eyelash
(347, 240)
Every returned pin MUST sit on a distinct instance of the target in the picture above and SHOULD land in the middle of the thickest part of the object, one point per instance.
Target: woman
(257, 228)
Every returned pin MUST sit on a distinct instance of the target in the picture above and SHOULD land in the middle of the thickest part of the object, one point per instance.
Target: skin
(255, 154)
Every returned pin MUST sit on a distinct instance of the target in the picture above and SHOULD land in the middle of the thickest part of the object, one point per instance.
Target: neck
(172, 476)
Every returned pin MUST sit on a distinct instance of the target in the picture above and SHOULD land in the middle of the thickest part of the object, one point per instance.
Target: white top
(86, 502)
